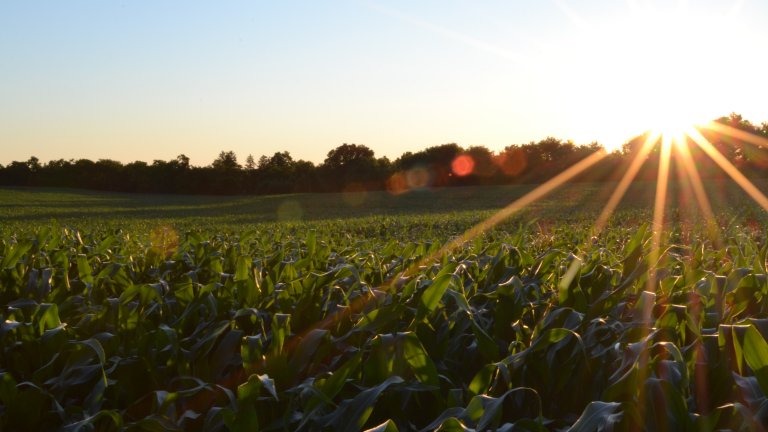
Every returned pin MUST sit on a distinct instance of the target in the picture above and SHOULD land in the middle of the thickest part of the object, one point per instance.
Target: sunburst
(674, 144)
(672, 131)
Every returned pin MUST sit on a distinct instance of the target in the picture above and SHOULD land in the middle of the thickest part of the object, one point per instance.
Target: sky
(146, 80)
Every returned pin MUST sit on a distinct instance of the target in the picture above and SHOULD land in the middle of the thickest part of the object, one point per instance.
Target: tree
(735, 149)
(250, 164)
(182, 161)
(275, 174)
(34, 164)
(634, 144)
(348, 154)
(351, 164)
(17, 174)
(513, 160)
(436, 160)
(304, 176)
(553, 149)
(443, 155)
(278, 161)
(483, 161)
(227, 161)
(225, 176)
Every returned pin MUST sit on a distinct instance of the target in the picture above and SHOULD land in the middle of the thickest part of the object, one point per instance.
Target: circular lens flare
(463, 165)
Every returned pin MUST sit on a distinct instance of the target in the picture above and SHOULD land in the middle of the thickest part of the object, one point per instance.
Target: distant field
(27, 207)
(31, 204)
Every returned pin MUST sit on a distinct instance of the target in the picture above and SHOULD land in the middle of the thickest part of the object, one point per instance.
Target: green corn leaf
(598, 416)
(352, 414)
(756, 355)
(431, 296)
(387, 426)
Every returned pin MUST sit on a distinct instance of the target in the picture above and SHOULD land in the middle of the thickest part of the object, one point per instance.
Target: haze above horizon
(147, 80)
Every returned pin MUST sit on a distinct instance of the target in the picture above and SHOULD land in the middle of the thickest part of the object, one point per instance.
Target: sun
(672, 124)
(648, 68)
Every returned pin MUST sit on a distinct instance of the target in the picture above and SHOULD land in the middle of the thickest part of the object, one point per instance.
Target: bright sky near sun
(144, 80)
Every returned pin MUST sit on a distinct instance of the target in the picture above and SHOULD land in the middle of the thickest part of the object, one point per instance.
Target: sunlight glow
(659, 207)
(626, 180)
(685, 160)
(668, 144)
(613, 202)
(656, 72)
(729, 169)
(736, 133)
(675, 128)
(662, 184)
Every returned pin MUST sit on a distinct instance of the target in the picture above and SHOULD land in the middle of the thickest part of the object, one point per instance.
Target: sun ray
(690, 180)
(522, 202)
(654, 255)
(624, 183)
(736, 133)
(660, 203)
(686, 163)
(613, 202)
(729, 168)
(686, 160)
(685, 199)
(659, 206)
(685, 188)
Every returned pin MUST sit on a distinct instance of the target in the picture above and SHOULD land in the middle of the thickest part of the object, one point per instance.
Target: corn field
(368, 324)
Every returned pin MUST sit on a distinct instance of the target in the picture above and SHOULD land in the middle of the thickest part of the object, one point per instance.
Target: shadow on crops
(31, 204)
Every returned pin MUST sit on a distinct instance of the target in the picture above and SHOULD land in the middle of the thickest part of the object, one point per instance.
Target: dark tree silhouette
(250, 164)
(226, 161)
(351, 164)
(484, 164)
(356, 167)
(181, 161)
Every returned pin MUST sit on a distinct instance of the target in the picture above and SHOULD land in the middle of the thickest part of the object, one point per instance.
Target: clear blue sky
(144, 80)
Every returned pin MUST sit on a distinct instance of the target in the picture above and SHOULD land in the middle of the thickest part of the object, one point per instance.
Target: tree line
(356, 167)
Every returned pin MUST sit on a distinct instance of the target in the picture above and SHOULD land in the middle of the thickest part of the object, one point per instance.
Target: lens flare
(418, 178)
(164, 240)
(355, 194)
(397, 184)
(463, 165)
(513, 161)
(289, 210)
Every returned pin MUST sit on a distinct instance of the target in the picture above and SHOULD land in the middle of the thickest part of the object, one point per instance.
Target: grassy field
(27, 207)
(29, 204)
(345, 312)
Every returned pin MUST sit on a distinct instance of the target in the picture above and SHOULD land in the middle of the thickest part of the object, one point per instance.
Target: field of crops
(343, 312)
